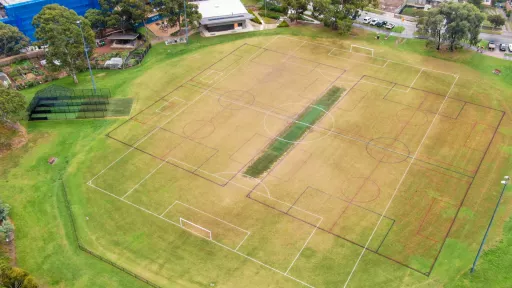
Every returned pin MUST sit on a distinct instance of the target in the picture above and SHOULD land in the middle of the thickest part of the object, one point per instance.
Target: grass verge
(294, 132)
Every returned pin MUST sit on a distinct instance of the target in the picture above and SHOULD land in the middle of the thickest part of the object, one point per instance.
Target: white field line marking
(167, 103)
(399, 184)
(243, 240)
(412, 84)
(161, 215)
(147, 176)
(362, 47)
(257, 180)
(294, 51)
(353, 60)
(197, 226)
(213, 217)
(305, 244)
(213, 79)
(220, 244)
(392, 61)
(181, 110)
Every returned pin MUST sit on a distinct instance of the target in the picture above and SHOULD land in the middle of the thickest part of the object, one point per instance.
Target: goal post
(369, 51)
(196, 229)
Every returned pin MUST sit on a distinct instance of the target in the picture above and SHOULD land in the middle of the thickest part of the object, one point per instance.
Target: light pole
(505, 181)
(87, 56)
(186, 22)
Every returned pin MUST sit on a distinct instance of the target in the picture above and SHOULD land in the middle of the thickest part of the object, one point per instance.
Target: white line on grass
(281, 36)
(399, 184)
(242, 241)
(305, 244)
(147, 176)
(220, 244)
(412, 84)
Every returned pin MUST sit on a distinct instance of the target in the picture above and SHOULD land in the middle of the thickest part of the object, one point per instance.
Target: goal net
(196, 229)
(361, 50)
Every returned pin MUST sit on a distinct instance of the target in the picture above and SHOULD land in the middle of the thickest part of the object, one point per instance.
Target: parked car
(503, 47)
(367, 20)
(384, 23)
(390, 26)
(491, 45)
(374, 21)
(379, 24)
(510, 47)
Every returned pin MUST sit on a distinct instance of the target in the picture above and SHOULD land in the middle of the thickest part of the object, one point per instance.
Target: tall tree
(125, 13)
(496, 20)
(320, 6)
(295, 8)
(477, 3)
(340, 11)
(12, 105)
(97, 18)
(11, 40)
(432, 25)
(56, 26)
(452, 22)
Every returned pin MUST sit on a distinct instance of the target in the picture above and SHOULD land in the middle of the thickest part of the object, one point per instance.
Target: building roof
(13, 2)
(215, 8)
(220, 11)
(121, 36)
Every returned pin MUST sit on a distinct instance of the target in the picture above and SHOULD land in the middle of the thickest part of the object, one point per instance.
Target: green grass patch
(283, 24)
(368, 9)
(294, 132)
(489, 31)
(255, 19)
(409, 11)
(398, 29)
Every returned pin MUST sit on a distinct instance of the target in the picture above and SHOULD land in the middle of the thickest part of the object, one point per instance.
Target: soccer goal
(196, 229)
(361, 50)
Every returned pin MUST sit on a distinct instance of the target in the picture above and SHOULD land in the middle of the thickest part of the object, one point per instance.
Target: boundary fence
(92, 253)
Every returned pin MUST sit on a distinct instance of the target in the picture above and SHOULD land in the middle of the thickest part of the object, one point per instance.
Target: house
(19, 13)
(223, 16)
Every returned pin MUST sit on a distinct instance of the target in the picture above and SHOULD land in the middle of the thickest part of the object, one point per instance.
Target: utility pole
(87, 56)
(186, 22)
(505, 181)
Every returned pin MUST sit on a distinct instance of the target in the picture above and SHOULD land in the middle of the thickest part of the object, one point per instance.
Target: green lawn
(44, 240)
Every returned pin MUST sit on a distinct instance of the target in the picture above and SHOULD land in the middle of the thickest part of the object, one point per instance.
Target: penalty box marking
(398, 186)
(247, 233)
(219, 74)
(149, 212)
(167, 103)
(384, 59)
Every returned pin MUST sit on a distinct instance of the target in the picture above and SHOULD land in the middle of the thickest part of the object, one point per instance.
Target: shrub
(271, 14)
(283, 24)
(255, 19)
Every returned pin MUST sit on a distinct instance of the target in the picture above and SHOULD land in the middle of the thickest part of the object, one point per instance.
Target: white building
(223, 16)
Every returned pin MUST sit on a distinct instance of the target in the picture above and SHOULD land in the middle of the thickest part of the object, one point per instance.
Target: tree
(11, 40)
(339, 11)
(477, 3)
(320, 6)
(496, 20)
(97, 18)
(344, 26)
(295, 8)
(452, 22)
(56, 26)
(13, 277)
(124, 14)
(12, 105)
(193, 16)
(432, 26)
(4, 211)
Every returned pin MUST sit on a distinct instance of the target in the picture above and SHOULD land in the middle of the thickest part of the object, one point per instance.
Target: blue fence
(21, 14)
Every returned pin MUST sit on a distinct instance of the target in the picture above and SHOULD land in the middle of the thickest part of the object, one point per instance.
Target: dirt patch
(13, 137)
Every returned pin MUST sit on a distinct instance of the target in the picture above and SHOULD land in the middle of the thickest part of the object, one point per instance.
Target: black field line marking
(179, 86)
(465, 195)
(386, 236)
(336, 235)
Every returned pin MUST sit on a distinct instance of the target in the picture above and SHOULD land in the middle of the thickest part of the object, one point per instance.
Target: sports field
(293, 157)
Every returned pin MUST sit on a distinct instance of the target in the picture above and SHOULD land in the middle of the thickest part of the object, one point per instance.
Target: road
(410, 28)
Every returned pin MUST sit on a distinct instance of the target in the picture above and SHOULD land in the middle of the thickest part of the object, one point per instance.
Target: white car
(374, 21)
(367, 20)
(510, 47)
